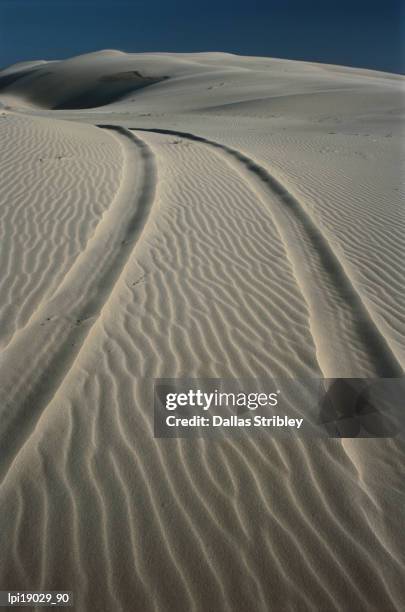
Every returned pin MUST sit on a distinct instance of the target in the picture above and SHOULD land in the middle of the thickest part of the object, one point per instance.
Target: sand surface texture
(199, 215)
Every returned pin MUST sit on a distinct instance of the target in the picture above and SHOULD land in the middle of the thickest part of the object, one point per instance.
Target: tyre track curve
(339, 317)
(57, 330)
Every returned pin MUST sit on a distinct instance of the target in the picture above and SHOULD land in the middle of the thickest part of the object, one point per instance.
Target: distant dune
(197, 215)
(84, 82)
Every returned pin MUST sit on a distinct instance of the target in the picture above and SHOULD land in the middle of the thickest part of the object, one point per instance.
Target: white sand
(259, 230)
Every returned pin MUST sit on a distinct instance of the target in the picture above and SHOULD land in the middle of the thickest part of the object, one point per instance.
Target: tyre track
(56, 332)
(339, 318)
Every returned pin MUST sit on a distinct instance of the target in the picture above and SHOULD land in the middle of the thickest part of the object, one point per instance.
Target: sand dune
(218, 216)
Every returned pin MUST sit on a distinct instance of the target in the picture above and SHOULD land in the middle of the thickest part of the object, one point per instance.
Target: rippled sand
(221, 216)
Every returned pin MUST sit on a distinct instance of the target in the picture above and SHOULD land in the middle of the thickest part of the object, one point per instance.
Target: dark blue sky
(349, 32)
